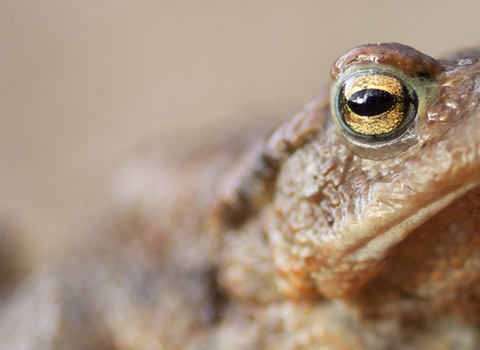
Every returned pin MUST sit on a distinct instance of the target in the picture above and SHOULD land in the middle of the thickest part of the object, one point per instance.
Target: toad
(355, 224)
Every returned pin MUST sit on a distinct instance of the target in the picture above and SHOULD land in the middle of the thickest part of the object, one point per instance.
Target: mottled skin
(292, 238)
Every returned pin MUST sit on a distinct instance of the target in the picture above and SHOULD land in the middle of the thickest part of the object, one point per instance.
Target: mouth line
(382, 243)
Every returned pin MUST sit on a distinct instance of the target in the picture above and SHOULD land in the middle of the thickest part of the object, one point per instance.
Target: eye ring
(374, 106)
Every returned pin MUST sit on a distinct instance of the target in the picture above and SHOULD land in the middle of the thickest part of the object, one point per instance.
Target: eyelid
(419, 72)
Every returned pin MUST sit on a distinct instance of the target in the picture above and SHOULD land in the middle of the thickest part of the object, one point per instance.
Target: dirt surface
(83, 83)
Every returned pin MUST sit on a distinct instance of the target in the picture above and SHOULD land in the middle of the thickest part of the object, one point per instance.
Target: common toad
(353, 225)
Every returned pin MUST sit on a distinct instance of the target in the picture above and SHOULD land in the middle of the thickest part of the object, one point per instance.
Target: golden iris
(373, 104)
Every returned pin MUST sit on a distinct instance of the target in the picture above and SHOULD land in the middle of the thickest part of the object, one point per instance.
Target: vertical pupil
(370, 102)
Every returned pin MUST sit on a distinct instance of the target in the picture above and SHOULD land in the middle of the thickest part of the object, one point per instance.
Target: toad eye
(375, 106)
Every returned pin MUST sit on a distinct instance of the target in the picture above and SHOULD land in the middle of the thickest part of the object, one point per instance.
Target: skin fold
(299, 235)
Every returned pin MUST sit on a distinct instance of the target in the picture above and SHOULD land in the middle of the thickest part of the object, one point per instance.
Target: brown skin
(302, 238)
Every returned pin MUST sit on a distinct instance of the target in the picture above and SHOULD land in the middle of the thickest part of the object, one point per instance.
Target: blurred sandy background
(83, 82)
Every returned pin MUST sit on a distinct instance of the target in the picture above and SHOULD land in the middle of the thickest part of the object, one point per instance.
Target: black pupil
(370, 102)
